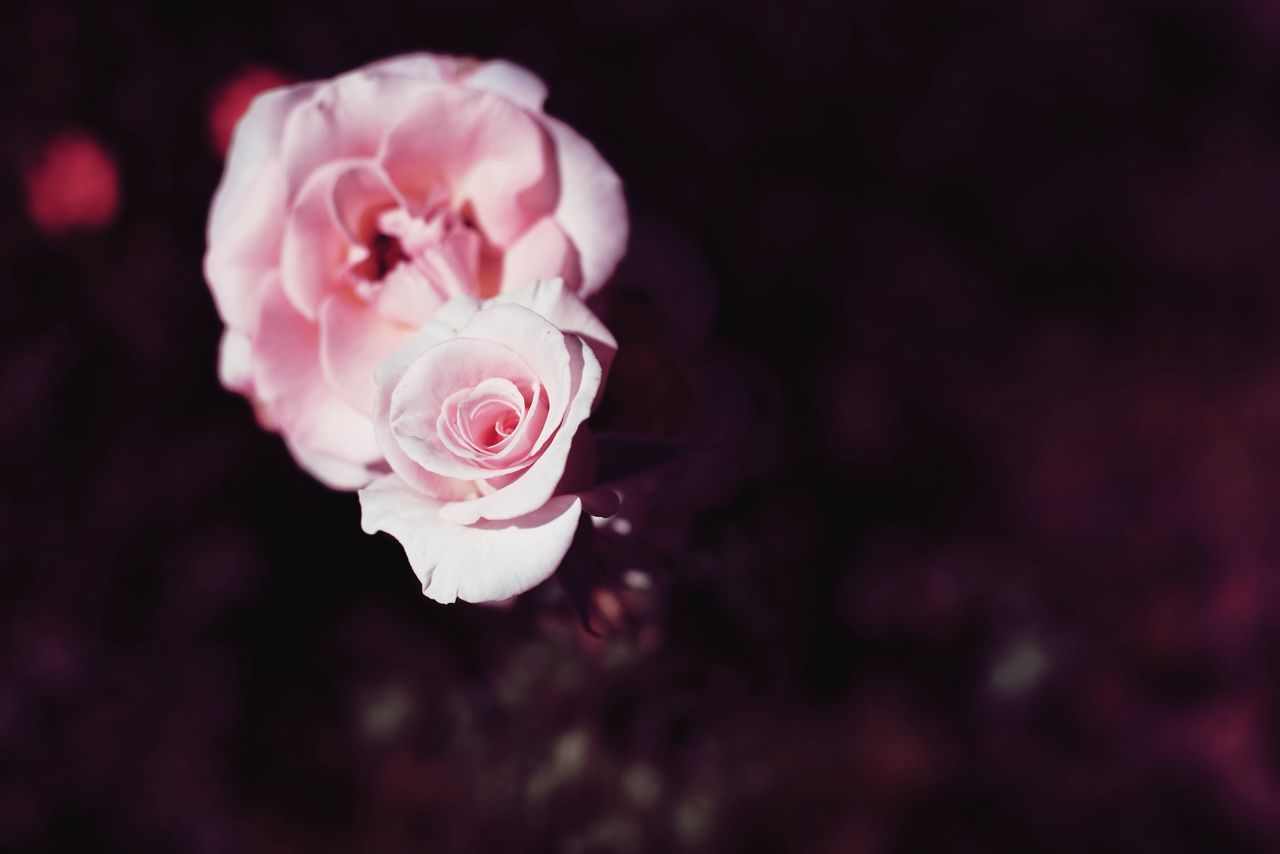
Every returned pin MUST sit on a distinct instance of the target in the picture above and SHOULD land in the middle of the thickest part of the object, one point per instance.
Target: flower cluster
(400, 256)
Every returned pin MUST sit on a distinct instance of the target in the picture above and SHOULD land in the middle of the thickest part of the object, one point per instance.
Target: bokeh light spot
(74, 183)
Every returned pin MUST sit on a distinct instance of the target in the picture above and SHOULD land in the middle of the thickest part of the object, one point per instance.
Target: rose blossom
(478, 416)
(351, 210)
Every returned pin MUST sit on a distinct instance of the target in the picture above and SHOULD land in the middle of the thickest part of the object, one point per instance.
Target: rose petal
(476, 563)
(314, 250)
(484, 152)
(555, 300)
(358, 195)
(406, 297)
(508, 80)
(592, 208)
(353, 340)
(333, 472)
(289, 383)
(235, 362)
(255, 144)
(343, 119)
(246, 249)
(497, 76)
(447, 258)
(542, 252)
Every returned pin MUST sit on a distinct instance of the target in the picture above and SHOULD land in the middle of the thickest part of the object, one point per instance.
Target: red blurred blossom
(232, 98)
(73, 183)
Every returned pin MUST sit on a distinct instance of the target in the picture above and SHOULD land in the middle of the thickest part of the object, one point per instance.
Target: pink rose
(478, 416)
(351, 210)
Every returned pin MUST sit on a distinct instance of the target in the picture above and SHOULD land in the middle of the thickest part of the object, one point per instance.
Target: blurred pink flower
(352, 209)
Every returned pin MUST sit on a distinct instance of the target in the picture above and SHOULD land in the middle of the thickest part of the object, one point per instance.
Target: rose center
(492, 422)
(385, 254)
(434, 252)
(506, 426)
(489, 423)
(499, 429)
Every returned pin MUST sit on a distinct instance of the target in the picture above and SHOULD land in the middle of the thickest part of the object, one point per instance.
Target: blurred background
(971, 308)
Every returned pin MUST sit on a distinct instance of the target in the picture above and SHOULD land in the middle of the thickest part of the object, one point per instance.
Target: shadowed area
(955, 321)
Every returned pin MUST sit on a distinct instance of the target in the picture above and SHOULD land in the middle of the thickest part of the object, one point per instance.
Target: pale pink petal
(246, 249)
(290, 386)
(345, 118)
(538, 482)
(314, 251)
(486, 154)
(333, 472)
(508, 80)
(453, 265)
(477, 563)
(592, 209)
(235, 362)
(406, 296)
(427, 67)
(542, 252)
(497, 76)
(360, 193)
(440, 249)
(255, 144)
(555, 300)
(353, 340)
(457, 312)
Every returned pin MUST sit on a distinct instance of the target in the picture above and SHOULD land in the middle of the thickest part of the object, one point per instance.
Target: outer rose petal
(235, 362)
(288, 381)
(484, 562)
(541, 252)
(353, 340)
(333, 472)
(254, 143)
(555, 300)
(592, 209)
(497, 76)
(246, 215)
(508, 80)
(248, 248)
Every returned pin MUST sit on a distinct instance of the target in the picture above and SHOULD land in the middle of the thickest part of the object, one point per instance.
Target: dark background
(975, 307)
